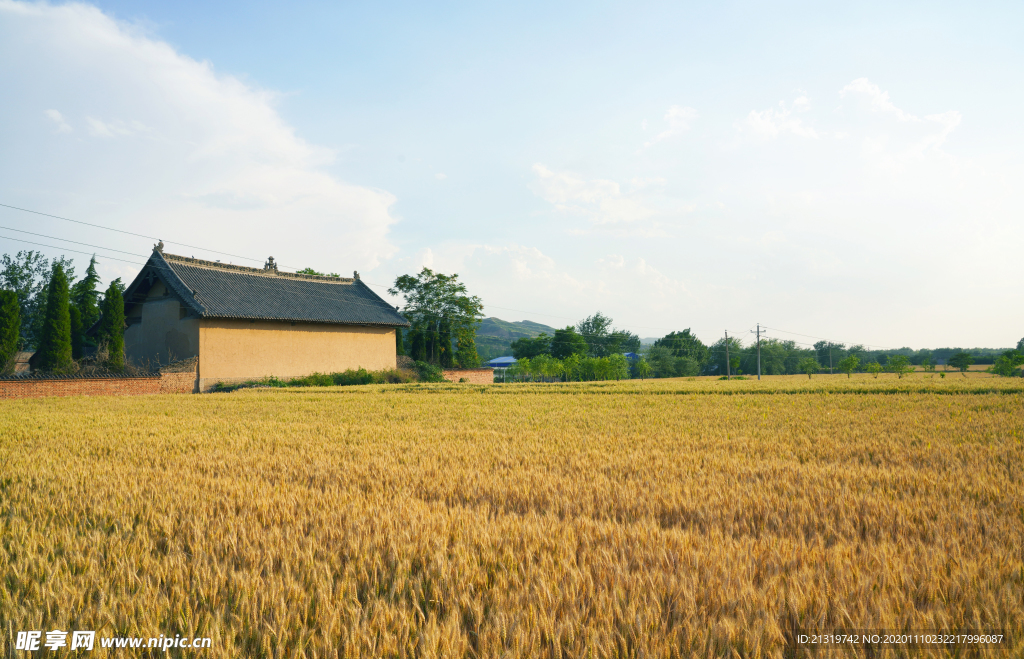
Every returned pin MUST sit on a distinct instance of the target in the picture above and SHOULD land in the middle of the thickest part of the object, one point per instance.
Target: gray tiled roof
(217, 290)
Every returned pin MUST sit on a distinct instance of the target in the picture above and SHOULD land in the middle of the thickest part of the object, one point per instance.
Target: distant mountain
(512, 330)
(494, 336)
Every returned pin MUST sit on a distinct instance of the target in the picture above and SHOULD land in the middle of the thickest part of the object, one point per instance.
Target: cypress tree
(55, 340)
(77, 333)
(10, 326)
(85, 297)
(112, 326)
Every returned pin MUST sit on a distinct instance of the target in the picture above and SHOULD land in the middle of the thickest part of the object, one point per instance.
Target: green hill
(494, 336)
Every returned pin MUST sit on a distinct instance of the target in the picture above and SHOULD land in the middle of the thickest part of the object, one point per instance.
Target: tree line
(41, 310)
(681, 354)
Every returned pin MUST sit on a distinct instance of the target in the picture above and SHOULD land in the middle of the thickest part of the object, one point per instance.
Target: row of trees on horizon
(41, 310)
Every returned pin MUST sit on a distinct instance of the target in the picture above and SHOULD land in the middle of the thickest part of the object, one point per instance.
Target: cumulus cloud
(878, 100)
(770, 123)
(58, 118)
(679, 120)
(170, 146)
(599, 200)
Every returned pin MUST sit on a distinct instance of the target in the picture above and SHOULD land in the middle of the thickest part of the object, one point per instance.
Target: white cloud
(58, 118)
(770, 123)
(171, 147)
(878, 100)
(679, 120)
(599, 200)
(115, 128)
(440, 177)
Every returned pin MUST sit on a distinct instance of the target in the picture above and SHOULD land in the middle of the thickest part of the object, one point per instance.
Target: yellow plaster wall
(236, 350)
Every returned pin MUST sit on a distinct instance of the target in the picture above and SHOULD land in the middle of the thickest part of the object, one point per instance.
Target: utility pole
(728, 375)
(758, 349)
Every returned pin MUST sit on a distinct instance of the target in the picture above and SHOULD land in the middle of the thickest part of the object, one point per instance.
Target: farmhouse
(248, 323)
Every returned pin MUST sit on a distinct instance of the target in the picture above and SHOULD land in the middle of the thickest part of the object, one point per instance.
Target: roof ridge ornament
(270, 265)
(355, 274)
(159, 247)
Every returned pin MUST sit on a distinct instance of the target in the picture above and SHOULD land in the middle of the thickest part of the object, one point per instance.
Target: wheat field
(636, 519)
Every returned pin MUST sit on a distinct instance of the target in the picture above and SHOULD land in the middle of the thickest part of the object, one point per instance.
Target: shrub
(429, 372)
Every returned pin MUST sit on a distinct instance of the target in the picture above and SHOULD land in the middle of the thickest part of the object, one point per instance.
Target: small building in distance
(249, 323)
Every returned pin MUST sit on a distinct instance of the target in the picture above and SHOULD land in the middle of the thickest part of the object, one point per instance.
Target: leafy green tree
(1008, 363)
(567, 342)
(446, 358)
(849, 364)
(618, 367)
(1020, 346)
(643, 369)
(716, 360)
(440, 311)
(311, 271)
(810, 366)
(623, 341)
(828, 352)
(10, 329)
(55, 337)
(874, 368)
(85, 298)
(111, 330)
(529, 348)
(900, 365)
(777, 357)
(466, 355)
(685, 344)
(28, 275)
(927, 363)
(961, 360)
(602, 339)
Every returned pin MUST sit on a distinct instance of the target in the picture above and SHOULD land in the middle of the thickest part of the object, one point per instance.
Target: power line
(130, 233)
(67, 249)
(213, 251)
(42, 235)
(138, 235)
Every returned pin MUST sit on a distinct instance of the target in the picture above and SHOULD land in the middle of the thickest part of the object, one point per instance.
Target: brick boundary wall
(178, 383)
(41, 388)
(473, 375)
(174, 382)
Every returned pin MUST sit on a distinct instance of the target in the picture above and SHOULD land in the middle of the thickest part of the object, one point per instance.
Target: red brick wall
(79, 387)
(473, 375)
(178, 383)
(165, 383)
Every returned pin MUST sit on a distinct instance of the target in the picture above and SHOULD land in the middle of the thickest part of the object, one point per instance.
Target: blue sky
(848, 172)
